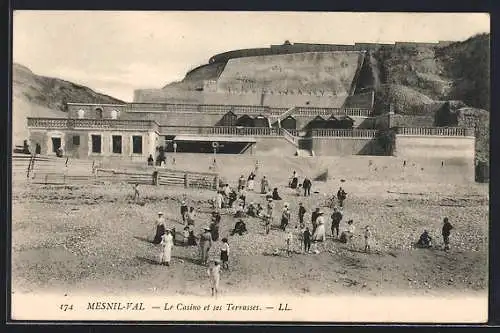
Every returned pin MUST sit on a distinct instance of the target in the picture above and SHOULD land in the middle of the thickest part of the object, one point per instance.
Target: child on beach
(368, 238)
(289, 240)
(224, 254)
(214, 276)
(185, 233)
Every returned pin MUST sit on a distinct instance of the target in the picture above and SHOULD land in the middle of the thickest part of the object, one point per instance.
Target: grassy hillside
(40, 96)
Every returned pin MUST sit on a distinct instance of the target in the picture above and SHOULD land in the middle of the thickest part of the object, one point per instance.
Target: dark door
(289, 123)
(56, 144)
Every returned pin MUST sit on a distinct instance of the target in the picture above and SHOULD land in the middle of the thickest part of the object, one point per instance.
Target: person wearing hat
(336, 218)
(239, 228)
(285, 217)
(264, 185)
(205, 245)
(214, 226)
(314, 217)
(159, 228)
(184, 211)
(445, 232)
(319, 234)
(347, 234)
(302, 212)
(167, 243)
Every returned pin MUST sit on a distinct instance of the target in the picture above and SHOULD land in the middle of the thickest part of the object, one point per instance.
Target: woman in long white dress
(167, 243)
(320, 233)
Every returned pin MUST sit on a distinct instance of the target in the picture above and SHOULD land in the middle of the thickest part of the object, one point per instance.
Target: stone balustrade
(343, 133)
(62, 123)
(435, 131)
(246, 109)
(220, 130)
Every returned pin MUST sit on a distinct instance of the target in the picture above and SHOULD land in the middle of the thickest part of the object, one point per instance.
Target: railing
(286, 113)
(92, 123)
(289, 137)
(247, 109)
(220, 130)
(353, 112)
(351, 133)
(436, 131)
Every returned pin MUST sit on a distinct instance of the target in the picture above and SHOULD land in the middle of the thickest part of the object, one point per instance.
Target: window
(98, 113)
(81, 114)
(137, 144)
(96, 144)
(76, 140)
(117, 144)
(114, 114)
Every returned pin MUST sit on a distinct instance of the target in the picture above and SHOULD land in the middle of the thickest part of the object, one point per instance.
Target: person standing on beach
(336, 218)
(205, 245)
(446, 233)
(264, 185)
(368, 239)
(167, 244)
(214, 276)
(314, 217)
(307, 240)
(184, 210)
(224, 254)
(285, 217)
(251, 181)
(302, 212)
(159, 228)
(306, 185)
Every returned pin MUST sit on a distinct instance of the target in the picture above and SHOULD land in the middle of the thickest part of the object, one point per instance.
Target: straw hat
(183, 202)
(160, 213)
(207, 228)
(270, 199)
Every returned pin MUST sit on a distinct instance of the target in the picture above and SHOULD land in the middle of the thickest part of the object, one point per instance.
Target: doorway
(56, 144)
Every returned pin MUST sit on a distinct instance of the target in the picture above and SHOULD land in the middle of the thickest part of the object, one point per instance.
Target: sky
(117, 52)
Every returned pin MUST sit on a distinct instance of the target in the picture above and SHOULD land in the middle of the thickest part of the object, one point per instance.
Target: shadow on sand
(188, 259)
(147, 260)
(144, 239)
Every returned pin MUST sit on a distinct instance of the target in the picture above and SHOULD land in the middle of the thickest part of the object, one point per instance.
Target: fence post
(156, 178)
(186, 180)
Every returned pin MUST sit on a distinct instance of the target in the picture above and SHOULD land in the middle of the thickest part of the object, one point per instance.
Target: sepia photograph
(250, 166)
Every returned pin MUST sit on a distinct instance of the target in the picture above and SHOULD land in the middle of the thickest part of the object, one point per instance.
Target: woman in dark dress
(160, 228)
(295, 180)
(276, 195)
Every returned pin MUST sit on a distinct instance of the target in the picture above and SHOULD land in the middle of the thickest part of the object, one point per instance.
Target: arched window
(81, 114)
(98, 113)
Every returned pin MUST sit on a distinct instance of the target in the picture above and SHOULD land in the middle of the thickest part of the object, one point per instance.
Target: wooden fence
(157, 177)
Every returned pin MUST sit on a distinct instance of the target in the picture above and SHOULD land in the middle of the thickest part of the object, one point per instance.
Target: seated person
(239, 228)
(275, 194)
(232, 198)
(240, 211)
(251, 210)
(259, 210)
(191, 238)
(424, 240)
(348, 233)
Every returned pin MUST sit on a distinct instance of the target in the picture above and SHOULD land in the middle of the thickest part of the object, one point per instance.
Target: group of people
(425, 240)
(306, 233)
(306, 184)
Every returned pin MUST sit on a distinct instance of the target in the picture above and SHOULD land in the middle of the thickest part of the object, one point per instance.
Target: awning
(228, 138)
